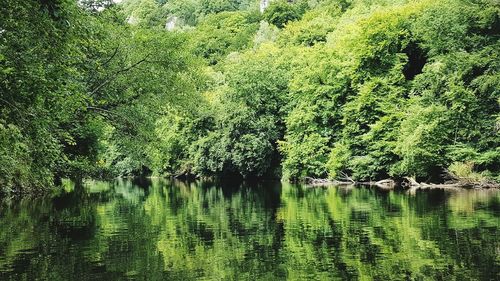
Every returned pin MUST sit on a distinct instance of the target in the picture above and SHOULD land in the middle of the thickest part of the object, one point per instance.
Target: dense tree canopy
(328, 88)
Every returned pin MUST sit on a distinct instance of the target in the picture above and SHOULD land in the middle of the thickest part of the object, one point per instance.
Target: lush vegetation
(365, 89)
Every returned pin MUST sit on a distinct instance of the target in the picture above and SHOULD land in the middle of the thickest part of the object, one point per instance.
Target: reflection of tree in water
(387, 236)
(224, 232)
(183, 231)
(76, 235)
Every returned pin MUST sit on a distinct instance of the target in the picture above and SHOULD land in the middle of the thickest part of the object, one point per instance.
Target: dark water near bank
(203, 231)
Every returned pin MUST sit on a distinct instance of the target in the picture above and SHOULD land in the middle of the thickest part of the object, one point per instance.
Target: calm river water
(162, 230)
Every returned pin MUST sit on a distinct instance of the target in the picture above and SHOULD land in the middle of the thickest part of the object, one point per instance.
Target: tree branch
(115, 75)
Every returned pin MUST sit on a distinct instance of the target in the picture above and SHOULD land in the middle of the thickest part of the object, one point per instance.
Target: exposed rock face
(263, 5)
(171, 23)
(132, 20)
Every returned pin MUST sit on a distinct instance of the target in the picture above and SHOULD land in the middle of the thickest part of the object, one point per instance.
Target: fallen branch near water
(412, 183)
(406, 183)
(325, 182)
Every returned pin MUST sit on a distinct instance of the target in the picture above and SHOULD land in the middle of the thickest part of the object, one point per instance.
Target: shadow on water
(157, 229)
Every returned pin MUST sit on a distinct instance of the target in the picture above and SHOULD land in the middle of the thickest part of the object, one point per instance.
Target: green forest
(333, 89)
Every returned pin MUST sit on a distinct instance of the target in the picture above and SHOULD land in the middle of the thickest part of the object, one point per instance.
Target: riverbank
(405, 183)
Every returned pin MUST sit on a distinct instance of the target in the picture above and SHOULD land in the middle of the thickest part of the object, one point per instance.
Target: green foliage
(305, 157)
(223, 33)
(249, 108)
(42, 92)
(154, 13)
(68, 74)
(145, 13)
(365, 89)
(391, 100)
(312, 28)
(266, 33)
(217, 6)
(465, 172)
(14, 157)
(421, 142)
(185, 9)
(338, 160)
(169, 150)
(164, 81)
(281, 12)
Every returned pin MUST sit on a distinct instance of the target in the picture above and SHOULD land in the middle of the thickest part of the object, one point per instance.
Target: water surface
(164, 230)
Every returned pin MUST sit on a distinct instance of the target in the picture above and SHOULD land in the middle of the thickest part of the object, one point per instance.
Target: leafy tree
(363, 89)
(223, 33)
(280, 13)
(248, 117)
(42, 90)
